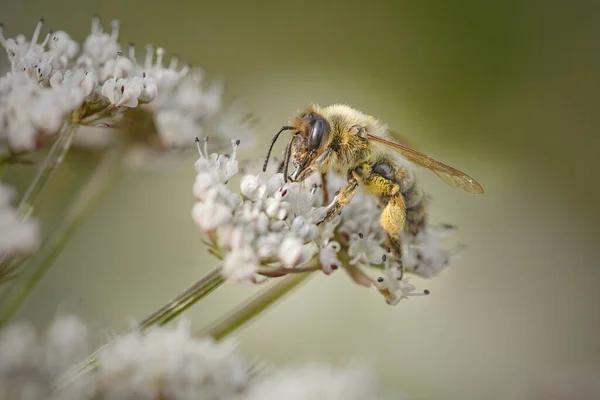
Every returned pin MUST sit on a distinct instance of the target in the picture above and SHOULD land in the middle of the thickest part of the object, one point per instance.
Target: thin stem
(85, 201)
(53, 159)
(236, 318)
(163, 315)
(185, 300)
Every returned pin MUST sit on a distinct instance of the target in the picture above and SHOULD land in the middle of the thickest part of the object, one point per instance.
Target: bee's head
(308, 144)
(306, 147)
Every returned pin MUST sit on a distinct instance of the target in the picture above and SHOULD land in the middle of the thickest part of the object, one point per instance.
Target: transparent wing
(452, 176)
(403, 140)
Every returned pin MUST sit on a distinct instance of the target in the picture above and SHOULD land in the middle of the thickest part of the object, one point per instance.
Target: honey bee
(346, 141)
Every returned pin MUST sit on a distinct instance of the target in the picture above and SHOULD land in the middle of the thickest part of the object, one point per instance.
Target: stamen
(132, 51)
(47, 38)
(2, 39)
(115, 29)
(186, 68)
(173, 62)
(149, 56)
(197, 140)
(36, 32)
(383, 258)
(206, 147)
(235, 145)
(96, 28)
(160, 52)
(425, 293)
(119, 54)
(360, 235)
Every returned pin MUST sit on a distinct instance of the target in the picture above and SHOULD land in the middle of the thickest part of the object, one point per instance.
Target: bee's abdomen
(415, 203)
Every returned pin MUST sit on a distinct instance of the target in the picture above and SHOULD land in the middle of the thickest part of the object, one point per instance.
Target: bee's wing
(403, 140)
(451, 176)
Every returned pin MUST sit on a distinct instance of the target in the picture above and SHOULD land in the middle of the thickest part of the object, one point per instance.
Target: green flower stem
(185, 300)
(250, 309)
(85, 201)
(163, 315)
(53, 159)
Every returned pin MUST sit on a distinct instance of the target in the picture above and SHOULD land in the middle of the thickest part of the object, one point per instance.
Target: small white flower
(122, 92)
(223, 167)
(292, 252)
(204, 182)
(63, 47)
(304, 229)
(100, 47)
(328, 258)
(365, 249)
(16, 237)
(394, 286)
(117, 68)
(249, 185)
(240, 265)
(210, 215)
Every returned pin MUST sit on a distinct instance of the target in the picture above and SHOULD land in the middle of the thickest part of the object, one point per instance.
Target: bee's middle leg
(342, 197)
(324, 188)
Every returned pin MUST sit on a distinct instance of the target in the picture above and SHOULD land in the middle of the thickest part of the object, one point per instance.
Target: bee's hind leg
(342, 197)
(394, 244)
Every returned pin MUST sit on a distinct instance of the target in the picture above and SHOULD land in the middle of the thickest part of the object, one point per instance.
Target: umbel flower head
(55, 80)
(159, 363)
(269, 228)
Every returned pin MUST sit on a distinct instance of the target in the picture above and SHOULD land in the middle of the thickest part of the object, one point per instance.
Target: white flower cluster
(56, 79)
(16, 237)
(160, 363)
(270, 228)
(267, 228)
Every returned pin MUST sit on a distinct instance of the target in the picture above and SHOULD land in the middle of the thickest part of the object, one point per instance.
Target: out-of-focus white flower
(316, 382)
(428, 253)
(209, 215)
(29, 368)
(170, 363)
(183, 110)
(16, 237)
(100, 47)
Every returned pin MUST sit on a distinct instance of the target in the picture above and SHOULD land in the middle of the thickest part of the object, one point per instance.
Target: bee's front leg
(341, 198)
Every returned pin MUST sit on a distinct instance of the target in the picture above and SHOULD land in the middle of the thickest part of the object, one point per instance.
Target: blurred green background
(507, 91)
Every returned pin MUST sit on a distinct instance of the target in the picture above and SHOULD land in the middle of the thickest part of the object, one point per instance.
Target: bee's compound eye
(384, 170)
(316, 134)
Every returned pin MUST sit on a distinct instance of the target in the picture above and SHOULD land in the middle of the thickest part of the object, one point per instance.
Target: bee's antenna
(284, 128)
(286, 159)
